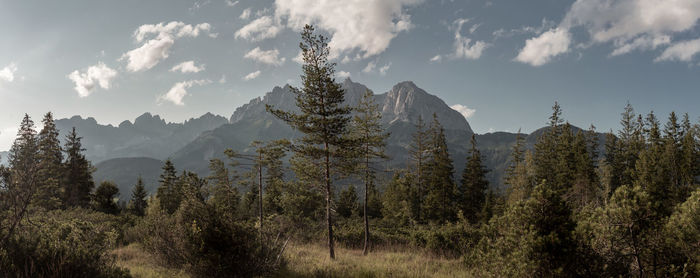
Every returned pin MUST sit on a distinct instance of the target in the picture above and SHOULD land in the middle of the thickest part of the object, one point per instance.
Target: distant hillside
(147, 136)
(124, 172)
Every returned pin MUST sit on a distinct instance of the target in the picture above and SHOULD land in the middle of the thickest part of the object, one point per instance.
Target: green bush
(69, 243)
(207, 244)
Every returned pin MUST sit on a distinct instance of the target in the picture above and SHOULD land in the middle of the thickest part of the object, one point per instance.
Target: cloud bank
(163, 37)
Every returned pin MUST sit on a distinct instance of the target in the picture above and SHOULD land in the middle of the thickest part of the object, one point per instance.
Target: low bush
(207, 244)
(58, 243)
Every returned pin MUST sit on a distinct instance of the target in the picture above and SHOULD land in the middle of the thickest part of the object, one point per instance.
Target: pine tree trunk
(329, 220)
(365, 249)
(260, 196)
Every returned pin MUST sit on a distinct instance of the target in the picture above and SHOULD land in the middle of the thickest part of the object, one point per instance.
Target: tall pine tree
(441, 192)
(472, 193)
(50, 159)
(79, 183)
(419, 156)
(138, 203)
(169, 193)
(323, 119)
(368, 134)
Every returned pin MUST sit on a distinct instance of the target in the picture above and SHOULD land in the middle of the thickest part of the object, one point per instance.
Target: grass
(311, 260)
(142, 265)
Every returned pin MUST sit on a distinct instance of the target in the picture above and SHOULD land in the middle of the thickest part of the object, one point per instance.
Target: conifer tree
(516, 157)
(419, 156)
(689, 158)
(583, 189)
(138, 198)
(19, 180)
(50, 157)
(474, 184)
(323, 119)
(224, 196)
(368, 134)
(79, 183)
(545, 155)
(440, 195)
(169, 194)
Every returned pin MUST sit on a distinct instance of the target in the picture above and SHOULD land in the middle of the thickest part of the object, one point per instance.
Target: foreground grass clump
(310, 260)
(141, 264)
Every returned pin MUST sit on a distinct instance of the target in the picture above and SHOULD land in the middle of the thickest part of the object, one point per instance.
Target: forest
(323, 205)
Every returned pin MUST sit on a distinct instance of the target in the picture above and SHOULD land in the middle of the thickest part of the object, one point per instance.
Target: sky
(501, 63)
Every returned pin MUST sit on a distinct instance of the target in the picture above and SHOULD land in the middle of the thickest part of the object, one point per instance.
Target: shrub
(207, 244)
(62, 244)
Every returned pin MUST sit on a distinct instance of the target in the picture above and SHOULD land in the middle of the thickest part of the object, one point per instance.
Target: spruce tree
(368, 134)
(441, 192)
(323, 119)
(472, 193)
(516, 157)
(224, 195)
(79, 183)
(20, 179)
(169, 193)
(50, 157)
(419, 156)
(545, 155)
(138, 198)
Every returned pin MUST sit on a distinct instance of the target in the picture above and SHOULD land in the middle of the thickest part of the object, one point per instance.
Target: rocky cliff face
(406, 102)
(148, 135)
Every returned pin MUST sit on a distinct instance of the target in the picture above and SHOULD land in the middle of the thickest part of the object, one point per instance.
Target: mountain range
(131, 149)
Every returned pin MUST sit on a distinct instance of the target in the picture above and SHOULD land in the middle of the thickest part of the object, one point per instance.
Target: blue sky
(501, 63)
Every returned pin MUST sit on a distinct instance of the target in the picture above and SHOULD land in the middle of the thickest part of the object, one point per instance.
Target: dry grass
(142, 265)
(308, 260)
(311, 260)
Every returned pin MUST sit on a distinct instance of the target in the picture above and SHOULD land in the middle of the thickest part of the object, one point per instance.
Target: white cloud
(681, 51)
(8, 72)
(540, 50)
(367, 26)
(179, 91)
(370, 67)
(465, 111)
(187, 67)
(158, 47)
(270, 57)
(628, 24)
(384, 69)
(231, 3)
(640, 43)
(97, 75)
(342, 75)
(222, 80)
(259, 29)
(436, 58)
(252, 75)
(245, 14)
(463, 46)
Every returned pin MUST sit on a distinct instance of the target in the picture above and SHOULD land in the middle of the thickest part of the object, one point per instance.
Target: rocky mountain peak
(407, 102)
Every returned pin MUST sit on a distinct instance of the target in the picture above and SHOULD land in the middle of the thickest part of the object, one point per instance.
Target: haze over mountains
(121, 153)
